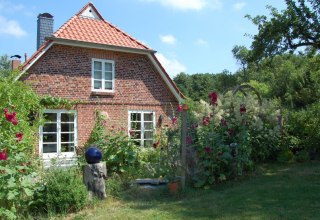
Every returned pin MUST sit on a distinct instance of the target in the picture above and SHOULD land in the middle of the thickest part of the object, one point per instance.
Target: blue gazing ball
(93, 155)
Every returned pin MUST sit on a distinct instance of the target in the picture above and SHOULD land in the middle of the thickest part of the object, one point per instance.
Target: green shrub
(302, 156)
(285, 156)
(63, 191)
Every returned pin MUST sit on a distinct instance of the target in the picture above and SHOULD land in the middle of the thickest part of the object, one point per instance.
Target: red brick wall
(65, 71)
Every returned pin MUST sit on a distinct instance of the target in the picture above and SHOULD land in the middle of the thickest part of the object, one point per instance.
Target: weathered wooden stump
(94, 176)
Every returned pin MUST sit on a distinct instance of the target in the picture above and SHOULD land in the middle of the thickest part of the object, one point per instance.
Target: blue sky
(191, 36)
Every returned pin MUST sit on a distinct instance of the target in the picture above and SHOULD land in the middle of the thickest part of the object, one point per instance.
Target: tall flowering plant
(17, 138)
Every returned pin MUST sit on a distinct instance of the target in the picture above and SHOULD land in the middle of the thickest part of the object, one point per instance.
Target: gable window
(103, 75)
(142, 127)
(58, 135)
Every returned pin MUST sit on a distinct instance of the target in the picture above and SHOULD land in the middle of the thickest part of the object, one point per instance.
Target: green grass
(277, 192)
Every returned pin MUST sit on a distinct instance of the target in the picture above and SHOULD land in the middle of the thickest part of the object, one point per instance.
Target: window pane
(148, 117)
(97, 65)
(67, 127)
(148, 125)
(137, 142)
(148, 134)
(49, 148)
(49, 138)
(69, 147)
(108, 76)
(49, 127)
(148, 143)
(108, 85)
(67, 117)
(68, 137)
(135, 117)
(97, 84)
(50, 117)
(137, 135)
(108, 66)
(97, 74)
(135, 125)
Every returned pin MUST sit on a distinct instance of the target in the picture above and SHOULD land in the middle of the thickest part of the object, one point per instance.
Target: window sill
(107, 94)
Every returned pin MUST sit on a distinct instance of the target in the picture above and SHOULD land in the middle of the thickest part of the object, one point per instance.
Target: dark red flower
(11, 117)
(179, 108)
(19, 136)
(174, 120)
(3, 155)
(207, 150)
(213, 96)
(205, 120)
(156, 144)
(243, 109)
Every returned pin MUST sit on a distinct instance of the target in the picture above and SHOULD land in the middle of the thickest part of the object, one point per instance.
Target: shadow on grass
(278, 192)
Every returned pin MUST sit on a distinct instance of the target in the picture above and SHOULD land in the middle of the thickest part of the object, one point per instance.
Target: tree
(4, 62)
(242, 55)
(295, 27)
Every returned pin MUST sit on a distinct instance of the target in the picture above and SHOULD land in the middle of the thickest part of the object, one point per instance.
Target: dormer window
(103, 75)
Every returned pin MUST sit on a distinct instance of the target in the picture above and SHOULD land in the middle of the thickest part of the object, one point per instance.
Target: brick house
(91, 60)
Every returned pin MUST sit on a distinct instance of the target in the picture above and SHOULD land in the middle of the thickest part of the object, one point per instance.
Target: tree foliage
(295, 27)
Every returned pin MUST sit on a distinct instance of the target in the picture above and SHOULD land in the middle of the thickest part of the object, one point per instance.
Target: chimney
(15, 64)
(44, 28)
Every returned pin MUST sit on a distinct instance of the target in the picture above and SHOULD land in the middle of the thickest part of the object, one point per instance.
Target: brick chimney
(15, 64)
(44, 28)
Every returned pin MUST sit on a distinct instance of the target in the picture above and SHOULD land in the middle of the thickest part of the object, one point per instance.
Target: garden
(243, 145)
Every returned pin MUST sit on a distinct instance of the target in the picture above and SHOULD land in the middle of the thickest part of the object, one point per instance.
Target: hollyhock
(174, 120)
(3, 155)
(205, 120)
(156, 144)
(242, 109)
(19, 136)
(11, 117)
(179, 108)
(131, 132)
(213, 96)
(207, 150)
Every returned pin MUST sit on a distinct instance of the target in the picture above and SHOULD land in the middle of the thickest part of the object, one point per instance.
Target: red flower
(3, 155)
(174, 120)
(11, 117)
(243, 109)
(156, 144)
(205, 120)
(207, 150)
(179, 108)
(19, 136)
(213, 96)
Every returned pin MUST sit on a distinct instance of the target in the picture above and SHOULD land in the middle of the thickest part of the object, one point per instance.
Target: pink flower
(211, 114)
(3, 155)
(174, 120)
(11, 117)
(179, 108)
(205, 120)
(242, 109)
(207, 150)
(19, 136)
(213, 96)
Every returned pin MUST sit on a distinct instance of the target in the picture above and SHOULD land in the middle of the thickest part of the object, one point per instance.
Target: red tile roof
(97, 30)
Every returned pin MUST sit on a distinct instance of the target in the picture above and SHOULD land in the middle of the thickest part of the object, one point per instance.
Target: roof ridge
(125, 34)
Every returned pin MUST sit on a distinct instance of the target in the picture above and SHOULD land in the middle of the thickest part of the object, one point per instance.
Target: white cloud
(168, 39)
(172, 66)
(189, 4)
(239, 6)
(201, 42)
(11, 27)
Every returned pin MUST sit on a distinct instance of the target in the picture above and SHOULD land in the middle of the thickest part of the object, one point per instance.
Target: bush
(63, 191)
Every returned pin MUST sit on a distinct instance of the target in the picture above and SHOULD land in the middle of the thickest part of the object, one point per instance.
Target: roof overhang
(150, 53)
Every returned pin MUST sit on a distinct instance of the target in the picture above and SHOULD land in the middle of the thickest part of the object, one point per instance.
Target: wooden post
(184, 120)
(94, 176)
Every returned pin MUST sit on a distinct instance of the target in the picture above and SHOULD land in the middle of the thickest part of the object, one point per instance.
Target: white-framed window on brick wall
(142, 127)
(103, 75)
(58, 136)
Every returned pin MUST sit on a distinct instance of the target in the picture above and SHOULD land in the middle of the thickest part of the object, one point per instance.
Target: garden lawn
(277, 192)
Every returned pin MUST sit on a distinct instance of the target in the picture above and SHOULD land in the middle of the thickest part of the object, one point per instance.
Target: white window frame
(103, 80)
(67, 158)
(142, 139)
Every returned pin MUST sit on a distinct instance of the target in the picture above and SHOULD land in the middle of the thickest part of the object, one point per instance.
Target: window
(102, 75)
(58, 135)
(142, 127)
